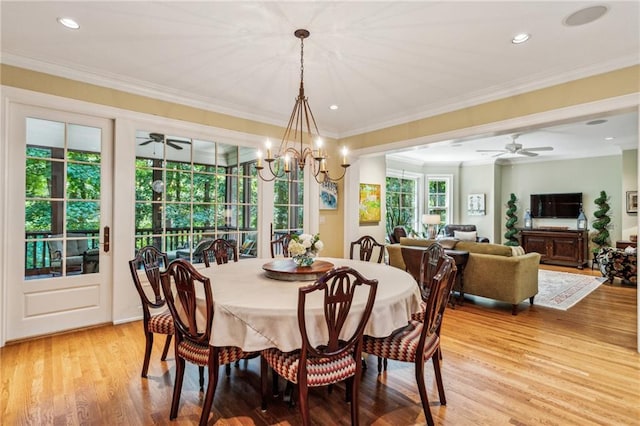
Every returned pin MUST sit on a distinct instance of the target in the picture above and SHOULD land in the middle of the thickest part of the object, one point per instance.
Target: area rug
(562, 290)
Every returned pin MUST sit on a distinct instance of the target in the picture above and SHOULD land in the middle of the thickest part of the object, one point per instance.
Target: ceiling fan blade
(147, 142)
(491, 150)
(499, 154)
(527, 153)
(541, 148)
(179, 141)
(173, 145)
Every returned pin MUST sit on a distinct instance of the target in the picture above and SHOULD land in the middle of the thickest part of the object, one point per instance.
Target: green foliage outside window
(400, 203)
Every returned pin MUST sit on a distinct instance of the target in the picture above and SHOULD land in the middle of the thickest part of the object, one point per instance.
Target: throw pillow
(465, 236)
(448, 243)
(517, 251)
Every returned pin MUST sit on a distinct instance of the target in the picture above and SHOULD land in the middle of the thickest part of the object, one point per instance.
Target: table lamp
(430, 221)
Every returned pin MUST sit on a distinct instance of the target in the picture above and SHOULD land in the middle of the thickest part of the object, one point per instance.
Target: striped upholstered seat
(161, 323)
(320, 371)
(199, 354)
(338, 359)
(419, 341)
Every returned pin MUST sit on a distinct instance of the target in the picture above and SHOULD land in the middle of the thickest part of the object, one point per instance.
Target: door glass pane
(62, 194)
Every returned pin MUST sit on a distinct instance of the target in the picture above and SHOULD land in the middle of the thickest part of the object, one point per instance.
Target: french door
(60, 184)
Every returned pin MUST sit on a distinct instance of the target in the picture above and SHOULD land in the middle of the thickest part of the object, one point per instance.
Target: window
(288, 204)
(62, 197)
(439, 197)
(401, 202)
(189, 192)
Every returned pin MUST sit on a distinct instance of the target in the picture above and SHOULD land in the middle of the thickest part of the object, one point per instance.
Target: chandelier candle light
(301, 122)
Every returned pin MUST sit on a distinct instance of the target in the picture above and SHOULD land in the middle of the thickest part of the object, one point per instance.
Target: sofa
(451, 230)
(618, 263)
(494, 271)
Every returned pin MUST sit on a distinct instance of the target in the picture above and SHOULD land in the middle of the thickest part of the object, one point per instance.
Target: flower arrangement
(304, 247)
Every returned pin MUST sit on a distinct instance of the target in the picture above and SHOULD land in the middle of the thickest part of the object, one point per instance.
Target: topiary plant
(601, 238)
(510, 235)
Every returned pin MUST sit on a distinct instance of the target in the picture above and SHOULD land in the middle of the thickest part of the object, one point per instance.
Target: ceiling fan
(159, 138)
(517, 148)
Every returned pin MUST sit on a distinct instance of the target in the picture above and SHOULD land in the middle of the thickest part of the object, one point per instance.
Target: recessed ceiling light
(333, 107)
(69, 23)
(520, 38)
(594, 122)
(609, 138)
(585, 16)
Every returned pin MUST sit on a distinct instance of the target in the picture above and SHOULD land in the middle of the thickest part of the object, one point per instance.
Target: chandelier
(296, 147)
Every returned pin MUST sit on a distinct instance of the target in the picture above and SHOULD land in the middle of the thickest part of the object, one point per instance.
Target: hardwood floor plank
(541, 367)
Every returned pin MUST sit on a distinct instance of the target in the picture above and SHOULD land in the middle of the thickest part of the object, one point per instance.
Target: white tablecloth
(254, 312)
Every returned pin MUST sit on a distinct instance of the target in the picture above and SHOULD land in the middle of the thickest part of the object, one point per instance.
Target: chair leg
(201, 372)
(438, 373)
(167, 343)
(211, 387)
(274, 383)
(354, 386)
(177, 388)
(263, 383)
(422, 389)
(147, 352)
(303, 400)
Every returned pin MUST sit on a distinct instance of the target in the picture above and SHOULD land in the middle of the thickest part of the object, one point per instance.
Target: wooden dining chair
(280, 246)
(422, 264)
(336, 359)
(193, 331)
(419, 341)
(221, 251)
(152, 260)
(367, 245)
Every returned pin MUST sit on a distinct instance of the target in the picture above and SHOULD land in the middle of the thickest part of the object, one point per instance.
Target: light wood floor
(541, 367)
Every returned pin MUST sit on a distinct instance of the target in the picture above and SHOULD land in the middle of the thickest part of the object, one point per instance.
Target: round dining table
(255, 312)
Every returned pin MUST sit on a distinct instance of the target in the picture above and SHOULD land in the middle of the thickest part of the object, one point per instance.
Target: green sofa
(494, 271)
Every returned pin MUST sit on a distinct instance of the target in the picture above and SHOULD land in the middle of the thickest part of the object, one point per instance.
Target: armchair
(618, 263)
(450, 231)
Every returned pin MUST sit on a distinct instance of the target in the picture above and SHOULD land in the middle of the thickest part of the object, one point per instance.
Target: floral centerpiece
(304, 248)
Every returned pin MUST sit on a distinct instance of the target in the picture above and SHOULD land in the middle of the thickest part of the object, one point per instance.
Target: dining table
(254, 311)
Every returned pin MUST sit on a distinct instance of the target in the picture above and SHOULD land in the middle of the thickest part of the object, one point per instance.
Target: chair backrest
(339, 286)
(221, 251)
(152, 261)
(280, 246)
(422, 264)
(367, 245)
(397, 233)
(438, 297)
(179, 286)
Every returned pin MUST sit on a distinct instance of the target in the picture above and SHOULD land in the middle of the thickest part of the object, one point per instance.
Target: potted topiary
(601, 224)
(511, 233)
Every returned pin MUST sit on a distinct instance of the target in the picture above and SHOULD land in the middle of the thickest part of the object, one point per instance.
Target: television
(556, 206)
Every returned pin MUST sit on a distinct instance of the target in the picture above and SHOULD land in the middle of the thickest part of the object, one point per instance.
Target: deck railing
(38, 257)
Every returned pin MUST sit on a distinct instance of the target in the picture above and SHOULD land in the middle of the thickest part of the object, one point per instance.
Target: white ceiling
(381, 62)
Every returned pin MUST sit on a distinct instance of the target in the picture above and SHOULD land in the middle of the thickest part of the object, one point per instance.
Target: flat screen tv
(556, 206)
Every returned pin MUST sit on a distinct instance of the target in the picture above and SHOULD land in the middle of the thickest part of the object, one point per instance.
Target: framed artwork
(369, 203)
(475, 205)
(632, 201)
(328, 196)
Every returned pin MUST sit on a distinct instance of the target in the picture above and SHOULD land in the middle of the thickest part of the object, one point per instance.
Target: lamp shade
(431, 219)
